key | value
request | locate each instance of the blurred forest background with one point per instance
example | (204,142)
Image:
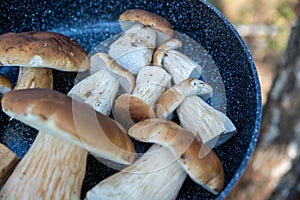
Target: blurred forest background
(272,33)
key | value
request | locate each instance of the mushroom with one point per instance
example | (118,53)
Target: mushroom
(151,82)
(203,124)
(56,51)
(176,63)
(143,30)
(158,176)
(173,97)
(162,26)
(8,158)
(65,119)
(100,89)
(166,46)
(212,126)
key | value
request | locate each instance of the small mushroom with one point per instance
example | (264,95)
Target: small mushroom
(176,63)
(166,46)
(68,120)
(162,26)
(212,126)
(151,82)
(143,31)
(173,97)
(100,89)
(159,174)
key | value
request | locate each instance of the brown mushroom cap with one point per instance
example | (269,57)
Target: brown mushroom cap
(129,110)
(5,84)
(147,19)
(42,49)
(55,113)
(199,162)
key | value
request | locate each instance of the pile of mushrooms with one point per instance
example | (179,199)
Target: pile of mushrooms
(144,82)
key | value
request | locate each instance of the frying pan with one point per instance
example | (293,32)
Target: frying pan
(92,21)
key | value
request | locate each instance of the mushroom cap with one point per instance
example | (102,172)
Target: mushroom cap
(42,49)
(199,162)
(129,110)
(173,97)
(148,19)
(5,84)
(100,61)
(55,113)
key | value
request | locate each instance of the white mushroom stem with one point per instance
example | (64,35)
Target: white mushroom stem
(8,162)
(180,66)
(98,90)
(51,169)
(34,78)
(156,175)
(134,49)
(151,83)
(210,125)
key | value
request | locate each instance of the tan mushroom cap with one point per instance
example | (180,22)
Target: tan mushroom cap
(199,162)
(55,113)
(173,97)
(129,110)
(147,19)
(42,49)
(5,84)
(100,61)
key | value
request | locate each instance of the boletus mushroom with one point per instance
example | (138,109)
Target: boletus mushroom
(160,172)
(100,88)
(143,31)
(81,128)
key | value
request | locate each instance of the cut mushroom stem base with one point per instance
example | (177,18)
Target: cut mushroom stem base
(154,176)
(52,169)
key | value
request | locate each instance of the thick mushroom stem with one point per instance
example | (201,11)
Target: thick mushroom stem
(8,162)
(51,169)
(211,126)
(144,179)
(134,49)
(180,66)
(34,78)
(151,83)
(98,90)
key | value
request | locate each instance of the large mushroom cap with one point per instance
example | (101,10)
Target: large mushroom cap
(148,19)
(55,113)
(42,49)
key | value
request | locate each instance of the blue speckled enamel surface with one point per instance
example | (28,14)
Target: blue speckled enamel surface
(90,22)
